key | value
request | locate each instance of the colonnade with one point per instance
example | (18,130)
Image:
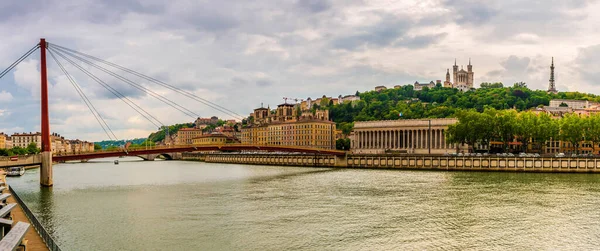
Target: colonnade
(401,139)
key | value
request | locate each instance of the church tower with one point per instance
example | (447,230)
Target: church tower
(470,74)
(552,86)
(455,73)
(447,83)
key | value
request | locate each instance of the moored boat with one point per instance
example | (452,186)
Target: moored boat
(15,171)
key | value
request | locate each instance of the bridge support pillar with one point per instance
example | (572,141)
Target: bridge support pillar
(46,170)
(341,161)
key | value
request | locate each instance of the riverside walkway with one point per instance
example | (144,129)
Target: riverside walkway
(34,241)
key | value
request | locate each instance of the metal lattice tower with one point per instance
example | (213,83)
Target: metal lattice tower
(552,86)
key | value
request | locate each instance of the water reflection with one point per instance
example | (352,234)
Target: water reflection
(203,206)
(45,209)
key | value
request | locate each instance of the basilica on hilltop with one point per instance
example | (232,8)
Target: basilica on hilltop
(461,79)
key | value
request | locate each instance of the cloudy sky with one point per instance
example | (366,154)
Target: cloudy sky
(240,53)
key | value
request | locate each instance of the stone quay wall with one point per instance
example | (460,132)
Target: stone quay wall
(276,159)
(471,163)
(412,162)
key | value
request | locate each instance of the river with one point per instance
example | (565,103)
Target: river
(169,205)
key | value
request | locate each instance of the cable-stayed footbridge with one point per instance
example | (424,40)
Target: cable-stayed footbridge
(83,62)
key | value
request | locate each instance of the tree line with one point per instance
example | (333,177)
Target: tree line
(30,149)
(441,102)
(527,127)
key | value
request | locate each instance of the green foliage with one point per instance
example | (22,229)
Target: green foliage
(105,144)
(97,147)
(526,127)
(30,149)
(443,102)
(346,127)
(520,85)
(563,104)
(173,129)
(572,129)
(492,85)
(342,144)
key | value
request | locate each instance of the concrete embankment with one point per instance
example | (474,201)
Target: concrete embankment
(424,162)
(34,241)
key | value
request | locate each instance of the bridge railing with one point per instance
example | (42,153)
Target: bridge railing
(200,147)
(31,159)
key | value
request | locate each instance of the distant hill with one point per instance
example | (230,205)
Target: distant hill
(173,129)
(439,102)
(108,143)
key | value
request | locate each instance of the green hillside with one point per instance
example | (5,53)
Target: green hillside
(442,102)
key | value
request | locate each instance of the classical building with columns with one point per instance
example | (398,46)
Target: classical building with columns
(419,136)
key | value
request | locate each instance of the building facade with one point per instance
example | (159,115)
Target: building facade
(461,79)
(3,138)
(8,144)
(185,136)
(290,125)
(315,133)
(572,103)
(214,139)
(418,136)
(24,139)
(419,86)
(206,121)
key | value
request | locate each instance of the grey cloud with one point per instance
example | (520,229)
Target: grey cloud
(110,11)
(471,11)
(20,9)
(516,65)
(419,42)
(494,74)
(588,64)
(264,83)
(507,18)
(314,5)
(238,82)
(381,34)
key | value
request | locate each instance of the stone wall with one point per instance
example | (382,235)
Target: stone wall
(412,162)
(274,159)
(476,163)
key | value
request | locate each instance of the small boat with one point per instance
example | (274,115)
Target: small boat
(15,171)
(116,162)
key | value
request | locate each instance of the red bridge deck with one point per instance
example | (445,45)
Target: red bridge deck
(194,148)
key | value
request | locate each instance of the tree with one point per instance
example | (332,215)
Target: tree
(546,129)
(346,127)
(592,130)
(571,130)
(97,147)
(32,149)
(342,144)
(526,123)
(563,104)
(520,85)
(505,122)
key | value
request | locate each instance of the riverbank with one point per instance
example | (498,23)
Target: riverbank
(411,162)
(34,241)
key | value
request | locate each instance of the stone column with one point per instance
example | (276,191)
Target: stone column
(441,139)
(436,139)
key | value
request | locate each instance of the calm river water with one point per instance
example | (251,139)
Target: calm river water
(168,205)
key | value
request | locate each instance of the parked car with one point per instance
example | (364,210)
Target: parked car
(560,155)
